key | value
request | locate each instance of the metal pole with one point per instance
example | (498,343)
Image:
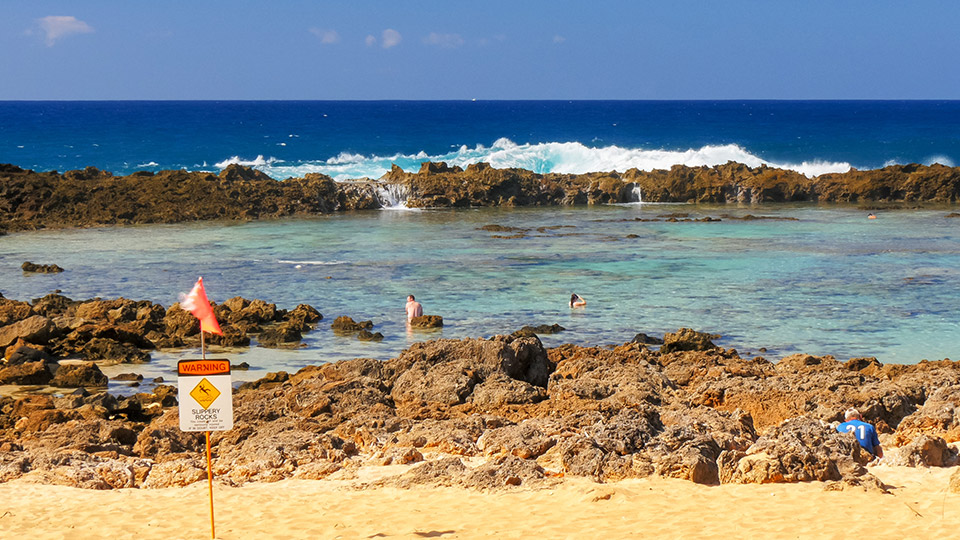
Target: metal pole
(213,530)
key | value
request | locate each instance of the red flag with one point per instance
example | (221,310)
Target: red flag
(196,302)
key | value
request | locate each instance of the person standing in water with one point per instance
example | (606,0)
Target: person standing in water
(414,309)
(577,301)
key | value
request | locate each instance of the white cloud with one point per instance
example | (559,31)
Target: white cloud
(559,39)
(498,38)
(61,26)
(327,37)
(391,38)
(444,40)
(370,41)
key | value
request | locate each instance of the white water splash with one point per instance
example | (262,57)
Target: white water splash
(393,196)
(552,157)
(942,160)
(259,163)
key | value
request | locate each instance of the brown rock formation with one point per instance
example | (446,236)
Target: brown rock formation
(31,200)
(346,325)
(40,268)
(55,327)
(698,412)
(427,321)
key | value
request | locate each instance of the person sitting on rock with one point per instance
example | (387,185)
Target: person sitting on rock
(414,309)
(577,301)
(865,433)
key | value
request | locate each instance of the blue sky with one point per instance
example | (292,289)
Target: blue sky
(299,49)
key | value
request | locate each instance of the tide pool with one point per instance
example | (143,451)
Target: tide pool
(816,279)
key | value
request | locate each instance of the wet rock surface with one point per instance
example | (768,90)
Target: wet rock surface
(502,412)
(346,325)
(40,268)
(427,321)
(528,331)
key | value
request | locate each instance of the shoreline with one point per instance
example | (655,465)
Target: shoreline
(918,507)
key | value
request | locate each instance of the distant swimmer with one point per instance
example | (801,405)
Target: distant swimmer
(871,216)
(414,309)
(577,301)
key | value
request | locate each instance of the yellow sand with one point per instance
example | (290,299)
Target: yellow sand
(919,507)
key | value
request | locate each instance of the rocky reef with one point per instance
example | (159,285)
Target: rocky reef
(29,267)
(505,411)
(91,197)
(35,336)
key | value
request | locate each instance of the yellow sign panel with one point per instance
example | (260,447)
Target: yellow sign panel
(207,405)
(205,393)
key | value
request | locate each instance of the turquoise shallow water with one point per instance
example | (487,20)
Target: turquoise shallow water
(830,282)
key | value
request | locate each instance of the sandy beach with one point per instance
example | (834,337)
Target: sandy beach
(918,506)
(766,346)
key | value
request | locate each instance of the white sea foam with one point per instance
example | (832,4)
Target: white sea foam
(942,160)
(312,263)
(552,157)
(237,160)
(149,164)
(345,158)
(812,169)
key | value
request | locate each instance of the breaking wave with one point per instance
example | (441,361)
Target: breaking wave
(942,160)
(552,157)
(259,163)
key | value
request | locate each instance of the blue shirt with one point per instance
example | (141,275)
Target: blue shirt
(865,433)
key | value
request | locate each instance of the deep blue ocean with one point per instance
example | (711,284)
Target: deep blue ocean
(362,139)
(825,281)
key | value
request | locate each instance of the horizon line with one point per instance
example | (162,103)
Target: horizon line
(472,100)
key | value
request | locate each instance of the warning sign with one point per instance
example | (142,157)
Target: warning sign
(205,393)
(206,400)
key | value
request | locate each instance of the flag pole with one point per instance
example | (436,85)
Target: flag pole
(197,303)
(213,530)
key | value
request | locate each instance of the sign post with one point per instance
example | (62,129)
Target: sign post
(206,404)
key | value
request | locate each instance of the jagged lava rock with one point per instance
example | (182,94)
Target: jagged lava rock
(346,325)
(77,375)
(799,450)
(279,336)
(35,329)
(40,268)
(427,321)
(91,197)
(445,372)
